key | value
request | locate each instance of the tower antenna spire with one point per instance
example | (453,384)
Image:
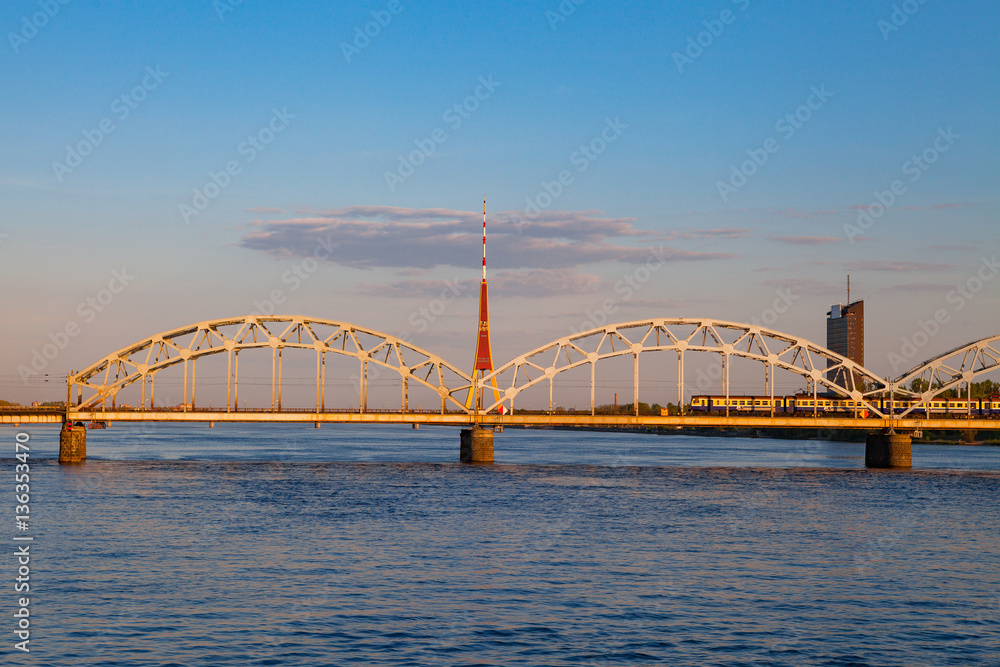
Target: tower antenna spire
(848,285)
(483,364)
(484,237)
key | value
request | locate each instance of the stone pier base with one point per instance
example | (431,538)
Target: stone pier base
(477,445)
(888,450)
(72,444)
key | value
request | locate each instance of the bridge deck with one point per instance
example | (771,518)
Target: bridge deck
(541,419)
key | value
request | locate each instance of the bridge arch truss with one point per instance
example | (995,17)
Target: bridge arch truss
(684,336)
(98,385)
(948,371)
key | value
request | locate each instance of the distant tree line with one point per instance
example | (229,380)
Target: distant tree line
(46,404)
(645,409)
(983,389)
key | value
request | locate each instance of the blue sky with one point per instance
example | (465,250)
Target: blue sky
(330,127)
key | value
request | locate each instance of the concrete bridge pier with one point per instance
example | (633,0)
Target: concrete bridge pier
(477,445)
(72,443)
(888,450)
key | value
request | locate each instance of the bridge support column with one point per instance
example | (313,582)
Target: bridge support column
(477,445)
(888,450)
(72,444)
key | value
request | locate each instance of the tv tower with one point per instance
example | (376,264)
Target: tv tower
(484,353)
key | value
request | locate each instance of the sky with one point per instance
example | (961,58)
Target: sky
(179,162)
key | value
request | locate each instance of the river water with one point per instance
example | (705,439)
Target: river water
(351,545)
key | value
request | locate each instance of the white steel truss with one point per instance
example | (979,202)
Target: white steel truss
(142,360)
(950,371)
(775,350)
(683,335)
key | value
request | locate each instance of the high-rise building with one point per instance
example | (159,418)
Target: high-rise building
(845,335)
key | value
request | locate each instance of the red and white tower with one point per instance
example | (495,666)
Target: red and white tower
(483,365)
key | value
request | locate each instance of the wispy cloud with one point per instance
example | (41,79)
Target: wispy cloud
(20,183)
(929,207)
(805,286)
(533,283)
(785,212)
(806,240)
(896,266)
(789,212)
(417,288)
(921,287)
(963,248)
(932,207)
(725,234)
(265,209)
(545,282)
(387,236)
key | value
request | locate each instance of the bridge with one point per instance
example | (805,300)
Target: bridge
(93,393)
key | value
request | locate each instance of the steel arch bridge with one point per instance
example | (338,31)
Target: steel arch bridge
(141,361)
(98,385)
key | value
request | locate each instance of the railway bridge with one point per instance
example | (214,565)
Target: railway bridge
(490,399)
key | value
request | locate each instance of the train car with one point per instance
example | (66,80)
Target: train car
(938,406)
(895,406)
(699,403)
(957,407)
(738,404)
(991,406)
(807,404)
